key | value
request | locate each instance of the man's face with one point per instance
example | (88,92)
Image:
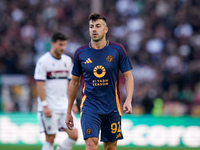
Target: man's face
(59,47)
(97,29)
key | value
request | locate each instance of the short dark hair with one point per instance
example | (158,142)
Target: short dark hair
(96,16)
(58,36)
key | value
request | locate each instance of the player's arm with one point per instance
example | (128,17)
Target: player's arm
(74,106)
(129,85)
(41,94)
(72,92)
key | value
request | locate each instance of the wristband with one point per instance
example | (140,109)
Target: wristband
(44,103)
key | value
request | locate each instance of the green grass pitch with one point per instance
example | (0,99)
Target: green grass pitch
(38,147)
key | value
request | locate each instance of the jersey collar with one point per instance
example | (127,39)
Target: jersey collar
(107,43)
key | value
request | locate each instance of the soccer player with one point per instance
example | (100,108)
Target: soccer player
(99,62)
(52,74)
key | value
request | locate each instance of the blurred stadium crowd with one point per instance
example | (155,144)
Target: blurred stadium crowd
(161,37)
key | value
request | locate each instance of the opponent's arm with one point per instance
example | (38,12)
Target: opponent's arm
(75,108)
(72,92)
(41,94)
(129,85)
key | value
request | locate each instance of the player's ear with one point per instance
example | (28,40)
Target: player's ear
(106,30)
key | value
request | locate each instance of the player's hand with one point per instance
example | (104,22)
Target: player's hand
(47,111)
(69,121)
(127,107)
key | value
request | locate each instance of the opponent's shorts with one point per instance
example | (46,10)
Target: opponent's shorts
(110,126)
(50,125)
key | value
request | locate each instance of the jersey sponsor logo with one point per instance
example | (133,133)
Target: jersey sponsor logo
(109,58)
(88,131)
(57,74)
(101,82)
(99,71)
(88,61)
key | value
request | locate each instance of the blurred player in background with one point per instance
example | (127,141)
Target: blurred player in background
(52,74)
(99,63)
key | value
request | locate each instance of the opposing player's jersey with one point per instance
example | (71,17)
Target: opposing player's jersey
(100,72)
(56,73)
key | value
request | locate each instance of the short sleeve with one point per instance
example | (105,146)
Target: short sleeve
(77,69)
(125,64)
(40,71)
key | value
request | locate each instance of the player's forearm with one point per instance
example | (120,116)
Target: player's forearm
(129,86)
(40,90)
(72,92)
(129,89)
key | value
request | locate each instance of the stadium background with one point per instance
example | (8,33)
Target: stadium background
(162,39)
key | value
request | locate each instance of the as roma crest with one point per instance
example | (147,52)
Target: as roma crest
(109,58)
(88,131)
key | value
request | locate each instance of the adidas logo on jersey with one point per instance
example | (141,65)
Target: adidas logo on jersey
(88,61)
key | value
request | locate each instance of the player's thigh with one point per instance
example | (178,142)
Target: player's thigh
(111,128)
(90,124)
(47,124)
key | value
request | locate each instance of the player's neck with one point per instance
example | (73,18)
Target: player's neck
(57,56)
(99,44)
